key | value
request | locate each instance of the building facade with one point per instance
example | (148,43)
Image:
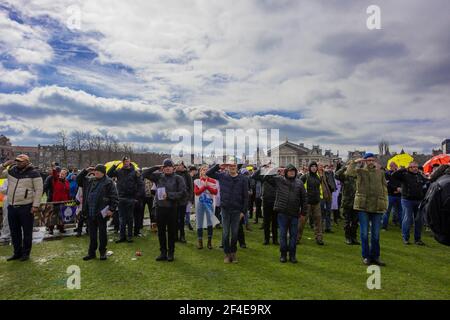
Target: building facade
(446,146)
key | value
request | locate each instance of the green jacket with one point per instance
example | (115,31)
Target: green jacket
(371,189)
(348,188)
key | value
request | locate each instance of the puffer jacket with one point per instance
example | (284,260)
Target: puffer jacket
(174,185)
(371,189)
(24,186)
(233,190)
(291,198)
(348,188)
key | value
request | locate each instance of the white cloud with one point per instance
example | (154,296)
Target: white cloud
(15,77)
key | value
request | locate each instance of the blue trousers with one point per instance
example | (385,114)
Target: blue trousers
(396,204)
(288,224)
(411,214)
(372,220)
(230,222)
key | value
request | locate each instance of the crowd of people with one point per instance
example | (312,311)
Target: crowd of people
(228,196)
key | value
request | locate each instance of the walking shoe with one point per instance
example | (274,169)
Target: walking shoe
(14,257)
(234,258)
(121,240)
(366,261)
(88,257)
(420,243)
(406,242)
(200,244)
(227,259)
(355,242)
(170,257)
(25,258)
(320,242)
(103,257)
(348,241)
(283,258)
(293,259)
(183,239)
(161,257)
(378,262)
(210,244)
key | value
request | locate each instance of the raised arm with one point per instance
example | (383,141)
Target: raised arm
(150,173)
(213,172)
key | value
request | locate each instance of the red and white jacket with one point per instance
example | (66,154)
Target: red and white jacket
(202,189)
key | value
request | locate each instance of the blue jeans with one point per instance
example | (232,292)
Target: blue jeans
(396,204)
(411,213)
(372,252)
(325,207)
(230,221)
(288,224)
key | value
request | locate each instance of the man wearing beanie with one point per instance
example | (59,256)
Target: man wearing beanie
(371,201)
(100,201)
(170,189)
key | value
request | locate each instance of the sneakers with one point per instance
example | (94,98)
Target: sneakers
(378,262)
(419,243)
(406,242)
(103,257)
(283,258)
(366,261)
(227,259)
(88,257)
(355,242)
(348,241)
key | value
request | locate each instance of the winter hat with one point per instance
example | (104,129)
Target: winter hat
(312,163)
(369,155)
(125,158)
(167,163)
(100,168)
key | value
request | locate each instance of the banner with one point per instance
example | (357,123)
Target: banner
(68,213)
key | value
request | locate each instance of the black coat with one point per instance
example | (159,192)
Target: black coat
(189,185)
(108,194)
(174,185)
(129,184)
(312,182)
(413,185)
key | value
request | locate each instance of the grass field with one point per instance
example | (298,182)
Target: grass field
(333,271)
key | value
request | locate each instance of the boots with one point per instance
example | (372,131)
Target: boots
(209,244)
(200,244)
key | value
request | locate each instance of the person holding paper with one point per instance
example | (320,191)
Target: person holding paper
(170,190)
(100,202)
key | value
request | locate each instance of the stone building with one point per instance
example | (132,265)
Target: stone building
(299,155)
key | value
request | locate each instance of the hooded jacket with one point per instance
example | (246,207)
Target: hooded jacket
(413,184)
(313,185)
(24,186)
(290,194)
(371,189)
(348,188)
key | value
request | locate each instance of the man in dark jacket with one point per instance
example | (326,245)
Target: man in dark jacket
(413,191)
(234,204)
(348,199)
(128,185)
(170,188)
(181,170)
(313,187)
(268,200)
(394,198)
(290,203)
(100,202)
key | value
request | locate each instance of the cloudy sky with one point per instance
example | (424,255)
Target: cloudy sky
(139,69)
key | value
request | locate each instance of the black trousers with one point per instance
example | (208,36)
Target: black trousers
(270,222)
(21,222)
(167,228)
(126,217)
(139,209)
(258,212)
(351,223)
(251,202)
(81,221)
(148,202)
(217,213)
(181,213)
(97,234)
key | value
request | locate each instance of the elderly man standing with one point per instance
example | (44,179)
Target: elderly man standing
(371,201)
(25,188)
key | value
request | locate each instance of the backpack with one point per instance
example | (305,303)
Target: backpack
(435,207)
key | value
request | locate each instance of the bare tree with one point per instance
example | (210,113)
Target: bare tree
(62,141)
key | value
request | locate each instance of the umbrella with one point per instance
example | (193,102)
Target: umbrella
(440,159)
(401,160)
(119,164)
